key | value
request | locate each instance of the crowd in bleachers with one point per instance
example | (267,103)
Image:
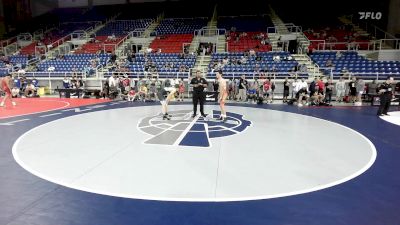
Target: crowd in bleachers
(337,38)
(83,63)
(257,63)
(243,41)
(351,62)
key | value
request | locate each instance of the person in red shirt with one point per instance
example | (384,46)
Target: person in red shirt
(267,89)
(321,86)
(181,90)
(131,95)
(6,87)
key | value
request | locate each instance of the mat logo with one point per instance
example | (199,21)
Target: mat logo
(183,130)
(370,15)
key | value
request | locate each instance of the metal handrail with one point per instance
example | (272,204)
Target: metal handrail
(324,45)
(208,30)
(228,75)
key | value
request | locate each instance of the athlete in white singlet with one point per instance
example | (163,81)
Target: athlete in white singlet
(223,94)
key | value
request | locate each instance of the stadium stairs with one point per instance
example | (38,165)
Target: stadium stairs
(312,68)
(280,28)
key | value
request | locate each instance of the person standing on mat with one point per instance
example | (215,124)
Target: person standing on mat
(198,83)
(385,96)
(165,98)
(223,94)
(6,87)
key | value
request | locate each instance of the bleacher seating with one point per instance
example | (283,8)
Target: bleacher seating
(266,64)
(29,49)
(180,25)
(171,43)
(70,62)
(100,43)
(123,27)
(354,63)
(3,69)
(19,59)
(247,42)
(55,35)
(160,60)
(337,39)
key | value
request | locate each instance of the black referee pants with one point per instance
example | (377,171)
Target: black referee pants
(384,104)
(198,97)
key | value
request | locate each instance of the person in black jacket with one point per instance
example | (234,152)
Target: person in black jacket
(198,83)
(385,96)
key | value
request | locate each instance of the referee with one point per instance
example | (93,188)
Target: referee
(385,96)
(198,83)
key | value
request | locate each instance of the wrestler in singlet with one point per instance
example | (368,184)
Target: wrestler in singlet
(5,85)
(223,94)
(222,90)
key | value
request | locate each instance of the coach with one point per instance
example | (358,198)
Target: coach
(385,95)
(198,83)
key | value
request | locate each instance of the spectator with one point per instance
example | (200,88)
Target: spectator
(35,82)
(329,91)
(30,90)
(267,90)
(372,88)
(276,58)
(295,87)
(303,68)
(285,89)
(225,61)
(66,82)
(252,93)
(181,90)
(112,81)
(131,95)
(80,84)
(340,89)
(242,88)
(321,86)
(243,60)
(329,63)
(142,93)
(338,54)
(231,89)
(317,97)
(360,87)
(313,86)
(302,96)
(353,90)
(272,90)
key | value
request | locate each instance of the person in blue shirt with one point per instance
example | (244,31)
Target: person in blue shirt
(252,92)
(35,82)
(24,83)
(66,82)
(17,83)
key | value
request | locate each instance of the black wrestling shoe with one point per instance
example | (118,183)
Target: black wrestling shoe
(386,114)
(204,115)
(194,115)
(166,117)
